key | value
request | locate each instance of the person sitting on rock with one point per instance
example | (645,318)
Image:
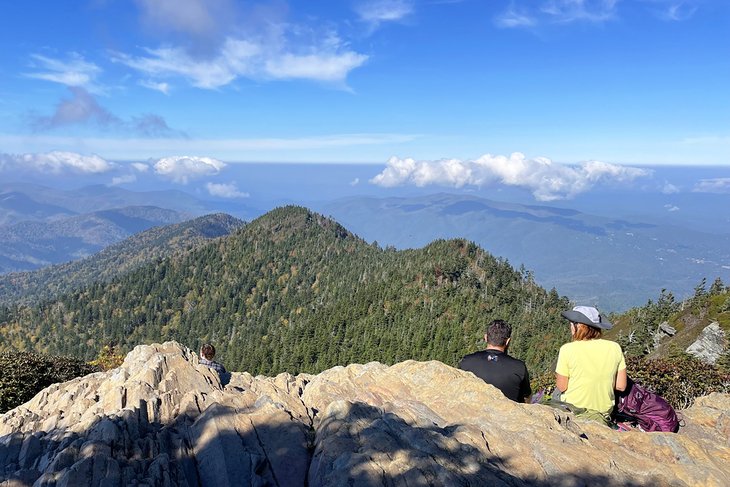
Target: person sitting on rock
(207,353)
(495,367)
(589,368)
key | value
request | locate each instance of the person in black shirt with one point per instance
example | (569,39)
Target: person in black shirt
(495,367)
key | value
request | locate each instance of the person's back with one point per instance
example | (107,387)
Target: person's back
(589,368)
(494,366)
(207,353)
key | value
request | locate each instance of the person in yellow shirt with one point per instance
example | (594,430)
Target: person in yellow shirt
(589,368)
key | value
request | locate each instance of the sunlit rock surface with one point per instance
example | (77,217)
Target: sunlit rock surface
(161,419)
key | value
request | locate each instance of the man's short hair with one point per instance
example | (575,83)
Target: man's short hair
(207,351)
(498,332)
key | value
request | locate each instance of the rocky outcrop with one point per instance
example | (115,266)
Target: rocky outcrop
(663,331)
(161,419)
(710,345)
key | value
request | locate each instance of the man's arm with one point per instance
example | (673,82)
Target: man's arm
(525,389)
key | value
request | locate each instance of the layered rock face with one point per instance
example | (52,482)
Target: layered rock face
(161,419)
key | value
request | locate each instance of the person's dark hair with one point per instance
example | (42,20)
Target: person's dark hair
(498,332)
(207,351)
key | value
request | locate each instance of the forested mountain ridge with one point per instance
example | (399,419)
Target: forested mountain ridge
(141,248)
(295,291)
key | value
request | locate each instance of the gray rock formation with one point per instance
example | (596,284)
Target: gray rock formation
(161,419)
(710,345)
(664,330)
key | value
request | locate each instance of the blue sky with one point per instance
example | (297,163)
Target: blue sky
(447,91)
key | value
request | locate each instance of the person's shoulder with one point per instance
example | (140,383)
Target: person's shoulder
(472,357)
(568,346)
(610,344)
(514,359)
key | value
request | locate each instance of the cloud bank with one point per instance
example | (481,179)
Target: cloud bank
(223,190)
(182,169)
(546,180)
(55,162)
(713,185)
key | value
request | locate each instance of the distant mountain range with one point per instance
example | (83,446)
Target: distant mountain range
(33,244)
(41,226)
(21,202)
(115,260)
(611,263)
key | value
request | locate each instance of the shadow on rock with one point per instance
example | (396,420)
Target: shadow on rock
(354,444)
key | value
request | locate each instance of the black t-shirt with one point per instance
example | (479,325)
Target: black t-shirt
(506,373)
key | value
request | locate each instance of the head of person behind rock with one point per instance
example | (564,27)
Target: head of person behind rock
(207,354)
(494,366)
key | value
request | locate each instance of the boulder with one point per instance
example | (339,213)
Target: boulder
(161,419)
(663,330)
(710,344)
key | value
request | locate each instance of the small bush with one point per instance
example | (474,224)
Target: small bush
(109,358)
(24,374)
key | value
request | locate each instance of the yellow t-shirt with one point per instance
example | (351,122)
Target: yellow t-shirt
(591,367)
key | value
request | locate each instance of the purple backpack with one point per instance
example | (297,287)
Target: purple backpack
(651,411)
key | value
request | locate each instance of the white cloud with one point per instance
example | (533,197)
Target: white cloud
(140,166)
(531,13)
(572,10)
(329,60)
(355,182)
(713,185)
(320,67)
(513,18)
(129,178)
(75,71)
(378,11)
(162,87)
(546,180)
(673,10)
(55,162)
(220,44)
(225,190)
(680,11)
(669,188)
(181,169)
(671,208)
